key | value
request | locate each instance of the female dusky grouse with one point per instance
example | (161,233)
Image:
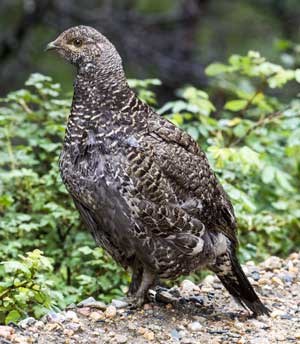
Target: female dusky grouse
(143,187)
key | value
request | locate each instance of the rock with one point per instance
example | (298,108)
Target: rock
(263,281)
(286,277)
(176,334)
(186,340)
(55,317)
(147,307)
(297,334)
(208,280)
(97,316)
(85,311)
(71,306)
(255,275)
(149,335)
(188,288)
(131,326)
(6,332)
(111,312)
(277,280)
(195,326)
(141,330)
(241,341)
(52,326)
(119,304)
(88,301)
(271,263)
(120,339)
(277,313)
(294,256)
(27,322)
(92,303)
(39,325)
(169,306)
(71,315)
(68,333)
(17,339)
(73,326)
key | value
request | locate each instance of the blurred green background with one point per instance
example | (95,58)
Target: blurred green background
(227,72)
(154,37)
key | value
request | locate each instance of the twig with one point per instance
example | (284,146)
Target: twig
(261,122)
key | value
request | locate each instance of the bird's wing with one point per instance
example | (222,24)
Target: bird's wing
(92,223)
(195,185)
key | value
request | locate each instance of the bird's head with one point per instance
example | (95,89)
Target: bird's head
(86,48)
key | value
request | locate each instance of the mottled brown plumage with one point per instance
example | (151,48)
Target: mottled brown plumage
(143,187)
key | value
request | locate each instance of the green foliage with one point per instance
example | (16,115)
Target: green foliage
(248,128)
(25,288)
(143,91)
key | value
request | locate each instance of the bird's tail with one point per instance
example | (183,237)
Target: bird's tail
(235,281)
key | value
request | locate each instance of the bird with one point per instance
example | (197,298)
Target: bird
(143,187)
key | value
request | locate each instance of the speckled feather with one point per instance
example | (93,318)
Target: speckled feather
(143,186)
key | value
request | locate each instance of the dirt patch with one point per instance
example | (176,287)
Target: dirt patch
(217,319)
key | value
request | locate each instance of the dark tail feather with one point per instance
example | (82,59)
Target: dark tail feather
(235,281)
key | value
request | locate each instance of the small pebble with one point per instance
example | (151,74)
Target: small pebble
(277,313)
(149,335)
(131,326)
(195,326)
(120,339)
(27,322)
(55,317)
(119,304)
(68,333)
(297,335)
(277,280)
(85,311)
(188,288)
(92,303)
(272,263)
(294,256)
(208,280)
(73,326)
(147,307)
(111,312)
(71,315)
(6,331)
(176,334)
(97,316)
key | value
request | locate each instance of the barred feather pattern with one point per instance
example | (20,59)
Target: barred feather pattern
(143,187)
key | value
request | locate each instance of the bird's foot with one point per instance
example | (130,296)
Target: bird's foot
(173,296)
(134,302)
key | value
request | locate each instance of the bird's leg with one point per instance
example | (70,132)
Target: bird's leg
(148,279)
(136,280)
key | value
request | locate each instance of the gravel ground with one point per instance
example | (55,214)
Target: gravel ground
(218,320)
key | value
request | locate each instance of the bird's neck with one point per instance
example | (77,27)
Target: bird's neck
(100,100)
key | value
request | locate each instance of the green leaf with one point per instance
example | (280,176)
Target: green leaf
(283,179)
(236,105)
(194,132)
(216,69)
(297,75)
(13,316)
(268,174)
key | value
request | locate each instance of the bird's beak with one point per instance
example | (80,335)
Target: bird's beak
(52,46)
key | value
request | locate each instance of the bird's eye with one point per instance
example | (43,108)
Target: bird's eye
(77,42)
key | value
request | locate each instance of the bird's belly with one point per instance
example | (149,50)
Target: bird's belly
(97,189)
